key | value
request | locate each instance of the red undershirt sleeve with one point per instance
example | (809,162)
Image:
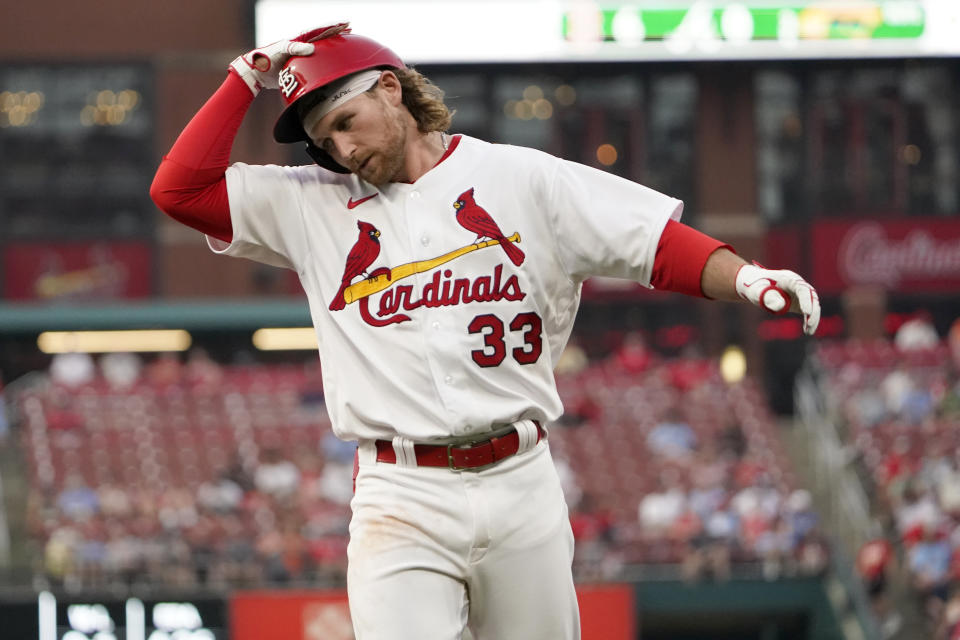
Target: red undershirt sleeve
(190,185)
(681,255)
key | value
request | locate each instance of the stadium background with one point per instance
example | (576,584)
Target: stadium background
(832,151)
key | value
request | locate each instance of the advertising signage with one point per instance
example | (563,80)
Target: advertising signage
(606,611)
(429,31)
(78,617)
(920,255)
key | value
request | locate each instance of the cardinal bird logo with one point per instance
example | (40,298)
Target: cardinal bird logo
(361,256)
(475,218)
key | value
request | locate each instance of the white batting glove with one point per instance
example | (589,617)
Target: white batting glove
(779,291)
(260,68)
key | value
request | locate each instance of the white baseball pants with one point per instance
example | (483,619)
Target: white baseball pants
(433,551)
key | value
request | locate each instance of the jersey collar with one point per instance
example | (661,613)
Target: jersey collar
(454,141)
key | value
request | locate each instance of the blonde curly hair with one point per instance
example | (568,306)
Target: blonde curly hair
(424,101)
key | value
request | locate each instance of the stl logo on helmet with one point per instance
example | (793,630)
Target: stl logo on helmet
(288,82)
(443,289)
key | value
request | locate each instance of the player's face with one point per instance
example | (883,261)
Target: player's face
(366,135)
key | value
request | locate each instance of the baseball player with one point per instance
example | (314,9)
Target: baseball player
(443,275)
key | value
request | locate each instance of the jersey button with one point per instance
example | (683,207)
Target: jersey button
(414,195)
(424,240)
(436,325)
(448,379)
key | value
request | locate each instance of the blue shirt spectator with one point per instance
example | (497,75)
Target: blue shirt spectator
(77,501)
(673,437)
(930,560)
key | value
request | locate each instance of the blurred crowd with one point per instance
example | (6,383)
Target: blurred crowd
(663,463)
(694,475)
(269,511)
(707,528)
(898,405)
(285,522)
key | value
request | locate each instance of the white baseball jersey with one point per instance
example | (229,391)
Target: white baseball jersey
(478,267)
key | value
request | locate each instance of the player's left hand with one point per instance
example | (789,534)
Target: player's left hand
(779,291)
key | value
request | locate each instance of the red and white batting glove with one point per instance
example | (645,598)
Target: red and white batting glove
(779,291)
(260,68)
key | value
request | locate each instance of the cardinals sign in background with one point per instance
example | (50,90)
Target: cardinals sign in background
(917,255)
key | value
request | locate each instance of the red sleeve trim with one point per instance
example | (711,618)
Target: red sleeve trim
(207,139)
(190,185)
(195,197)
(681,255)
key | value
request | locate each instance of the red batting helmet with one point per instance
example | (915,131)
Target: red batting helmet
(335,56)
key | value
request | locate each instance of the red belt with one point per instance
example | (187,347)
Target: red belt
(472,455)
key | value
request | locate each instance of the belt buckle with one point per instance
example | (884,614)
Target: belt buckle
(453,466)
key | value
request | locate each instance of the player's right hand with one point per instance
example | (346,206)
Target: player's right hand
(260,68)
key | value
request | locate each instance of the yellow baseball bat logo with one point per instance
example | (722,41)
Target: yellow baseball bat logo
(371,286)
